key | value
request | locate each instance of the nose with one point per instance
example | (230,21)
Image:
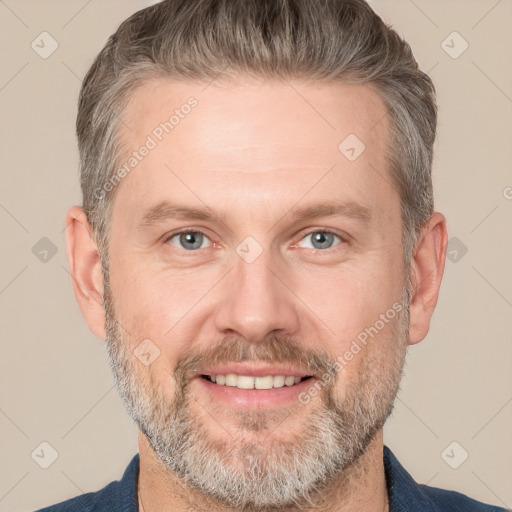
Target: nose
(256,301)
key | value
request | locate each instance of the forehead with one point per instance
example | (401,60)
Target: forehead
(314,117)
(270,137)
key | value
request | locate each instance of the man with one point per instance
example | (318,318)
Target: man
(258,247)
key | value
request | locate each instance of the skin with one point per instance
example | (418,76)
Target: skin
(253,153)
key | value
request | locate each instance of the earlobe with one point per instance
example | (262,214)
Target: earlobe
(427,268)
(85,267)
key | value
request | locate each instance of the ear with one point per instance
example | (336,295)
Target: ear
(85,266)
(427,267)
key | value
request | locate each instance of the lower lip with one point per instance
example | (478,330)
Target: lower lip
(255,398)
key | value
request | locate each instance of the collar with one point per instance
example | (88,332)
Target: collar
(404,494)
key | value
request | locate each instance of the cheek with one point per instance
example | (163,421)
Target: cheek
(349,299)
(370,360)
(357,307)
(164,305)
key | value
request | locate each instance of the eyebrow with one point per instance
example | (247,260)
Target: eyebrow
(166,210)
(350,209)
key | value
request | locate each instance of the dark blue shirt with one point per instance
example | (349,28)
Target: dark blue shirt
(405,495)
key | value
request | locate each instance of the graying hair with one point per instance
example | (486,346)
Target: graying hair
(317,41)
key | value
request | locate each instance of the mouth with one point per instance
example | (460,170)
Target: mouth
(255,382)
(253,386)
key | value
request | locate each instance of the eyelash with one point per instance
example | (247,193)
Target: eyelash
(184,232)
(343,240)
(325,231)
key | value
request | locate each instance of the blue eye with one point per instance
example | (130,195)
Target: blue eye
(321,240)
(189,240)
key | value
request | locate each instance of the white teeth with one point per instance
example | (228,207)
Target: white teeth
(279,381)
(245,382)
(264,382)
(289,381)
(231,379)
(249,382)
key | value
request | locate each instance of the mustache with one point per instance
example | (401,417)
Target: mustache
(276,349)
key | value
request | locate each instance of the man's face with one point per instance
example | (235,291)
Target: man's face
(293,254)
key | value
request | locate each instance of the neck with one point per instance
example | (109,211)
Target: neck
(361,487)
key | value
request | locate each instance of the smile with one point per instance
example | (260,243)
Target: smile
(254,382)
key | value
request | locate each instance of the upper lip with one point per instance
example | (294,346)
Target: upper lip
(254,370)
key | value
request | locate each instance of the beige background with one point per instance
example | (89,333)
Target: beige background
(56,386)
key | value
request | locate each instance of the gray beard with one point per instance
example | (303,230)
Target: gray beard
(274,473)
